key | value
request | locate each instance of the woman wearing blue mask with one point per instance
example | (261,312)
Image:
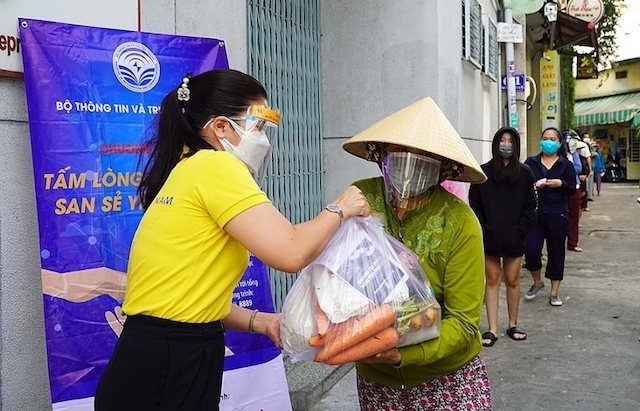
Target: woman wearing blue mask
(555,180)
(506,208)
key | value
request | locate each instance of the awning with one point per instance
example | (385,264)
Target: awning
(608,110)
(565,31)
(573,31)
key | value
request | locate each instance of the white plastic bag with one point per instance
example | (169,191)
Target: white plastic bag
(364,294)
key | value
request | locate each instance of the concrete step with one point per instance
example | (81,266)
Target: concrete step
(309,381)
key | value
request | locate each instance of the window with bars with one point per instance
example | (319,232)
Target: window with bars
(283,47)
(490,48)
(464,28)
(484,47)
(621,74)
(634,146)
(472,32)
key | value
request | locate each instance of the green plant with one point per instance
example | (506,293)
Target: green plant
(606,27)
(568,89)
(607,47)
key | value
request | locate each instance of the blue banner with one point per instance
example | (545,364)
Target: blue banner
(92,93)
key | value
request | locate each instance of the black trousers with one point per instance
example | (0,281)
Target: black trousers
(163,365)
(553,228)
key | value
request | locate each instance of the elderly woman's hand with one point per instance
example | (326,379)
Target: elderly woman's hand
(353,203)
(391,356)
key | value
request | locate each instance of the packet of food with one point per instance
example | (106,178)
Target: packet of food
(365,293)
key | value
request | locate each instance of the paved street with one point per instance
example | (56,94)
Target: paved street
(585,355)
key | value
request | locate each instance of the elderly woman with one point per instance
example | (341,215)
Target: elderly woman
(416,149)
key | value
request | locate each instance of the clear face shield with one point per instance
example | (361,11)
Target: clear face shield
(407,176)
(257,135)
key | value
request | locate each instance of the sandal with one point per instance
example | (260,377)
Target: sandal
(489,336)
(511,332)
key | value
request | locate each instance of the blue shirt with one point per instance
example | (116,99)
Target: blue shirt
(553,200)
(598,163)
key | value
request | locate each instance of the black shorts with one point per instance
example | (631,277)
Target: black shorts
(163,365)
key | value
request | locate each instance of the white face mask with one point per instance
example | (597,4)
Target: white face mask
(252,149)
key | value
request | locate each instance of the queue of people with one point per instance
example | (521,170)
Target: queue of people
(521,207)
(560,193)
(210,142)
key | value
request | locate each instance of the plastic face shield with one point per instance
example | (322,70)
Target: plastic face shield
(261,119)
(408,175)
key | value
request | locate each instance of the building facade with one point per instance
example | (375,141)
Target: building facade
(364,61)
(551,31)
(608,108)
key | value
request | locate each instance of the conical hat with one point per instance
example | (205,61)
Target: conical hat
(424,126)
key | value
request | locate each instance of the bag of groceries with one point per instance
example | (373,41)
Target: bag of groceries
(364,294)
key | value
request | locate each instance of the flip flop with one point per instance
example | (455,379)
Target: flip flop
(511,332)
(488,335)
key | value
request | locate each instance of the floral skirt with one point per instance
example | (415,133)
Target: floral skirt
(465,389)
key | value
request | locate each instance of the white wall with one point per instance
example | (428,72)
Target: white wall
(23,367)
(378,57)
(221,19)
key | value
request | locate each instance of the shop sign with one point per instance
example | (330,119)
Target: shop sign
(586,68)
(121,14)
(587,10)
(510,33)
(549,89)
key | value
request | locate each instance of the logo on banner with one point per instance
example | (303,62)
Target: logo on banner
(136,67)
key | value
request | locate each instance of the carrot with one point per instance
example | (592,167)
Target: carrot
(322,321)
(316,340)
(322,324)
(380,342)
(334,332)
(348,333)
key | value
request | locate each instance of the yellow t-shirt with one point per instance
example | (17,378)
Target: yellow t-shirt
(183,266)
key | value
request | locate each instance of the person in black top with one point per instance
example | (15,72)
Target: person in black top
(506,207)
(555,180)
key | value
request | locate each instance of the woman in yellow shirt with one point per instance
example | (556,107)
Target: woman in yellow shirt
(204,213)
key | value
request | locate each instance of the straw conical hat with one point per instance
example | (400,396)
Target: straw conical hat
(424,126)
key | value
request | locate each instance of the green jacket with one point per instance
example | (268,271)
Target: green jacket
(446,235)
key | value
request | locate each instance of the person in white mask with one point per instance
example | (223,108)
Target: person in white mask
(204,212)
(416,149)
(258,130)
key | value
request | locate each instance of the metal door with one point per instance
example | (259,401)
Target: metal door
(284,54)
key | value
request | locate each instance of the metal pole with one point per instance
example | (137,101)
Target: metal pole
(511,71)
